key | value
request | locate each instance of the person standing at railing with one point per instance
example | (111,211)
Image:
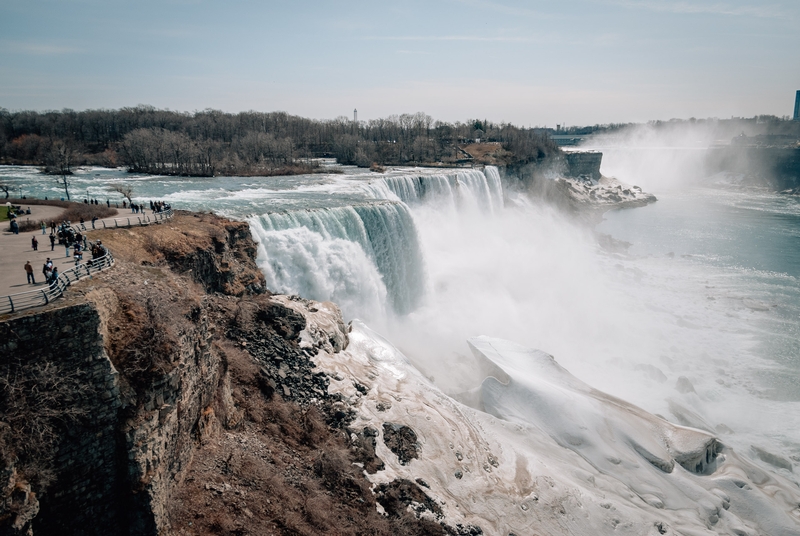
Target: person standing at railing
(29,272)
(53,277)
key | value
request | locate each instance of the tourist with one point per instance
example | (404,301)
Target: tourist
(34,243)
(29,271)
(14,227)
(53,226)
(77,253)
(44,228)
(52,242)
(46,269)
(53,277)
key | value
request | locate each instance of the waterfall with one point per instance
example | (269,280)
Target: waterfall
(366,256)
(459,189)
(359,256)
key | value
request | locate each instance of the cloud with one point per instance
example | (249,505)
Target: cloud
(698,8)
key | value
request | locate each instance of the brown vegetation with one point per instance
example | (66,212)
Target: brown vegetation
(285,471)
(73,212)
(36,402)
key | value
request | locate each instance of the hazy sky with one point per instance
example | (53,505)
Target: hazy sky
(529,63)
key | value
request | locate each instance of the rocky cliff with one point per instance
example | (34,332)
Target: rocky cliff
(172,394)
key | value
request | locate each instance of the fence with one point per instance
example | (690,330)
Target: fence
(43,296)
(158,217)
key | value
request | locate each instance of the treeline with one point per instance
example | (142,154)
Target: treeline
(211,142)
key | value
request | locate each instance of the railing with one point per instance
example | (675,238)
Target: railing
(43,296)
(157,217)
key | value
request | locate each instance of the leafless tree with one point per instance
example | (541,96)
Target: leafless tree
(5,189)
(125,190)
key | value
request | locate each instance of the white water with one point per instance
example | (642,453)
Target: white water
(446,259)
(631,326)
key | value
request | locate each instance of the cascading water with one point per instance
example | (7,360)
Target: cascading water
(358,256)
(460,190)
(366,256)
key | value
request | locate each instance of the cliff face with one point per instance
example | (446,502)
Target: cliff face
(159,393)
(123,372)
(574,183)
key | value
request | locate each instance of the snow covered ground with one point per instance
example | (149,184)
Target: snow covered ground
(534,450)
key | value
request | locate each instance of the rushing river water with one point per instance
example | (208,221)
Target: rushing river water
(699,320)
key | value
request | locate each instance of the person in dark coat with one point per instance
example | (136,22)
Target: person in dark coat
(29,272)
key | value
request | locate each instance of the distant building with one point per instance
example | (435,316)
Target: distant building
(355,112)
(797,106)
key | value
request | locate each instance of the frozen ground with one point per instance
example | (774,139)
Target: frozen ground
(534,450)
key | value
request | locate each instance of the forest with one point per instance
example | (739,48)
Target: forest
(210,142)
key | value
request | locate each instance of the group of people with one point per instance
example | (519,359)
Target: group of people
(155,206)
(49,272)
(12,213)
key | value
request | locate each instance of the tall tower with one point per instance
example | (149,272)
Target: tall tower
(355,111)
(797,106)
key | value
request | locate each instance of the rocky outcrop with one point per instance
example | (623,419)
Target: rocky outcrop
(583,165)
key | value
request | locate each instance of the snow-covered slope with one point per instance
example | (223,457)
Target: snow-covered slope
(534,450)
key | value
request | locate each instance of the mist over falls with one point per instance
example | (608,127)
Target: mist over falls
(439,258)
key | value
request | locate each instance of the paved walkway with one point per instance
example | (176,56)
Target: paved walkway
(15,250)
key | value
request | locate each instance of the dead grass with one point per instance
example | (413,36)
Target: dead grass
(76,211)
(284,471)
(491,153)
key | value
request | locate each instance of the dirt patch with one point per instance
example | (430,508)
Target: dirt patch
(490,153)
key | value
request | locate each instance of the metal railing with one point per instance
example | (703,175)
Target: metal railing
(44,295)
(157,217)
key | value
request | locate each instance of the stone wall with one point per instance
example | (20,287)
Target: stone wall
(115,466)
(85,496)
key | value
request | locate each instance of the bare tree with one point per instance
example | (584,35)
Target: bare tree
(125,190)
(60,159)
(5,188)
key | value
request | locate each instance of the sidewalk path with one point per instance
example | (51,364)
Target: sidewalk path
(15,250)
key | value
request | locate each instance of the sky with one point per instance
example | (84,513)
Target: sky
(530,63)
